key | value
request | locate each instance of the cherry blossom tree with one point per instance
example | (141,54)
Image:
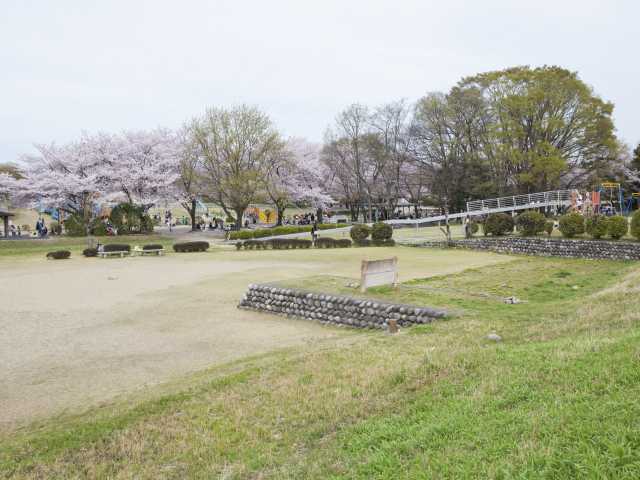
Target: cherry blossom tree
(142,166)
(69,177)
(310,181)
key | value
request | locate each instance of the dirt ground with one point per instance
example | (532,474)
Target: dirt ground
(78,332)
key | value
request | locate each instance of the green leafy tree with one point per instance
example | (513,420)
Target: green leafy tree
(543,123)
(237,146)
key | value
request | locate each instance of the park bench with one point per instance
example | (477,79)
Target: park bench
(149,251)
(121,253)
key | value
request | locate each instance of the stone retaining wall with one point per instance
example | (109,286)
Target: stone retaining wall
(335,309)
(549,247)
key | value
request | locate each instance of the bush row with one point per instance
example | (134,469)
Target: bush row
(282,230)
(597,226)
(292,243)
(191,247)
(380,232)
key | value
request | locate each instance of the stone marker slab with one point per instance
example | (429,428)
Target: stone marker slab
(378,272)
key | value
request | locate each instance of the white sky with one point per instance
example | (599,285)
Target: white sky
(68,66)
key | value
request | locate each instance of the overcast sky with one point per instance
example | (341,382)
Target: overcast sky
(68,66)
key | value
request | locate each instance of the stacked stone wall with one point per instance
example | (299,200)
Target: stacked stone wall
(335,309)
(548,247)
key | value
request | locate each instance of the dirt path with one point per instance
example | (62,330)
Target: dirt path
(77,332)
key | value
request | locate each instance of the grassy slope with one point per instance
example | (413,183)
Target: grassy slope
(556,399)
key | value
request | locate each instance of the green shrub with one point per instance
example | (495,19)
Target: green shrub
(303,243)
(381,231)
(389,242)
(571,224)
(617,227)
(530,223)
(116,247)
(129,218)
(75,226)
(548,227)
(59,255)
(359,232)
(191,247)
(498,224)
(365,242)
(281,230)
(635,225)
(343,243)
(98,228)
(278,243)
(90,252)
(329,226)
(472,228)
(152,246)
(325,242)
(596,226)
(241,235)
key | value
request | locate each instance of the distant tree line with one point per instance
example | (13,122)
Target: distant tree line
(499,133)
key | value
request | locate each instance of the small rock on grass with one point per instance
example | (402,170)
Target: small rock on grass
(494,337)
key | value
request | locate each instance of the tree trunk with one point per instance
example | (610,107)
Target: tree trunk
(192,214)
(239,213)
(280,208)
(319,216)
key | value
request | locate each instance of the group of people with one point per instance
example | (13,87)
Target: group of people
(41,230)
(303,219)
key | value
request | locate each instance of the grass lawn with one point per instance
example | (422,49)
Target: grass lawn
(10,249)
(557,398)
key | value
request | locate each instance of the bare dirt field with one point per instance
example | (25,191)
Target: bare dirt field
(78,332)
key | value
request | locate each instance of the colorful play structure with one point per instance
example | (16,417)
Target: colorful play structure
(611,199)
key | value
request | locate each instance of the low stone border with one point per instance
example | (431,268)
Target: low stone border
(548,247)
(335,309)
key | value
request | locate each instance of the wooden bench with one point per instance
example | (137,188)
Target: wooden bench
(122,253)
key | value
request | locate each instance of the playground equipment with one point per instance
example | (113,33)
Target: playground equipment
(613,200)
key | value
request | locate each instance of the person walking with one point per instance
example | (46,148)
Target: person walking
(314,233)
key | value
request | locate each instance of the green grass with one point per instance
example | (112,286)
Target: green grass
(10,249)
(557,398)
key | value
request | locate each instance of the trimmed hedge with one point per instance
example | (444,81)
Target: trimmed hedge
(530,223)
(282,230)
(617,227)
(359,232)
(327,242)
(498,224)
(153,246)
(90,252)
(292,243)
(635,225)
(366,242)
(59,255)
(116,247)
(596,226)
(571,224)
(185,247)
(381,231)
(389,242)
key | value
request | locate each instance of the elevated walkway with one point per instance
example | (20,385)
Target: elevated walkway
(553,199)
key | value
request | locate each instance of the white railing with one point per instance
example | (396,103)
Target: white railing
(517,202)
